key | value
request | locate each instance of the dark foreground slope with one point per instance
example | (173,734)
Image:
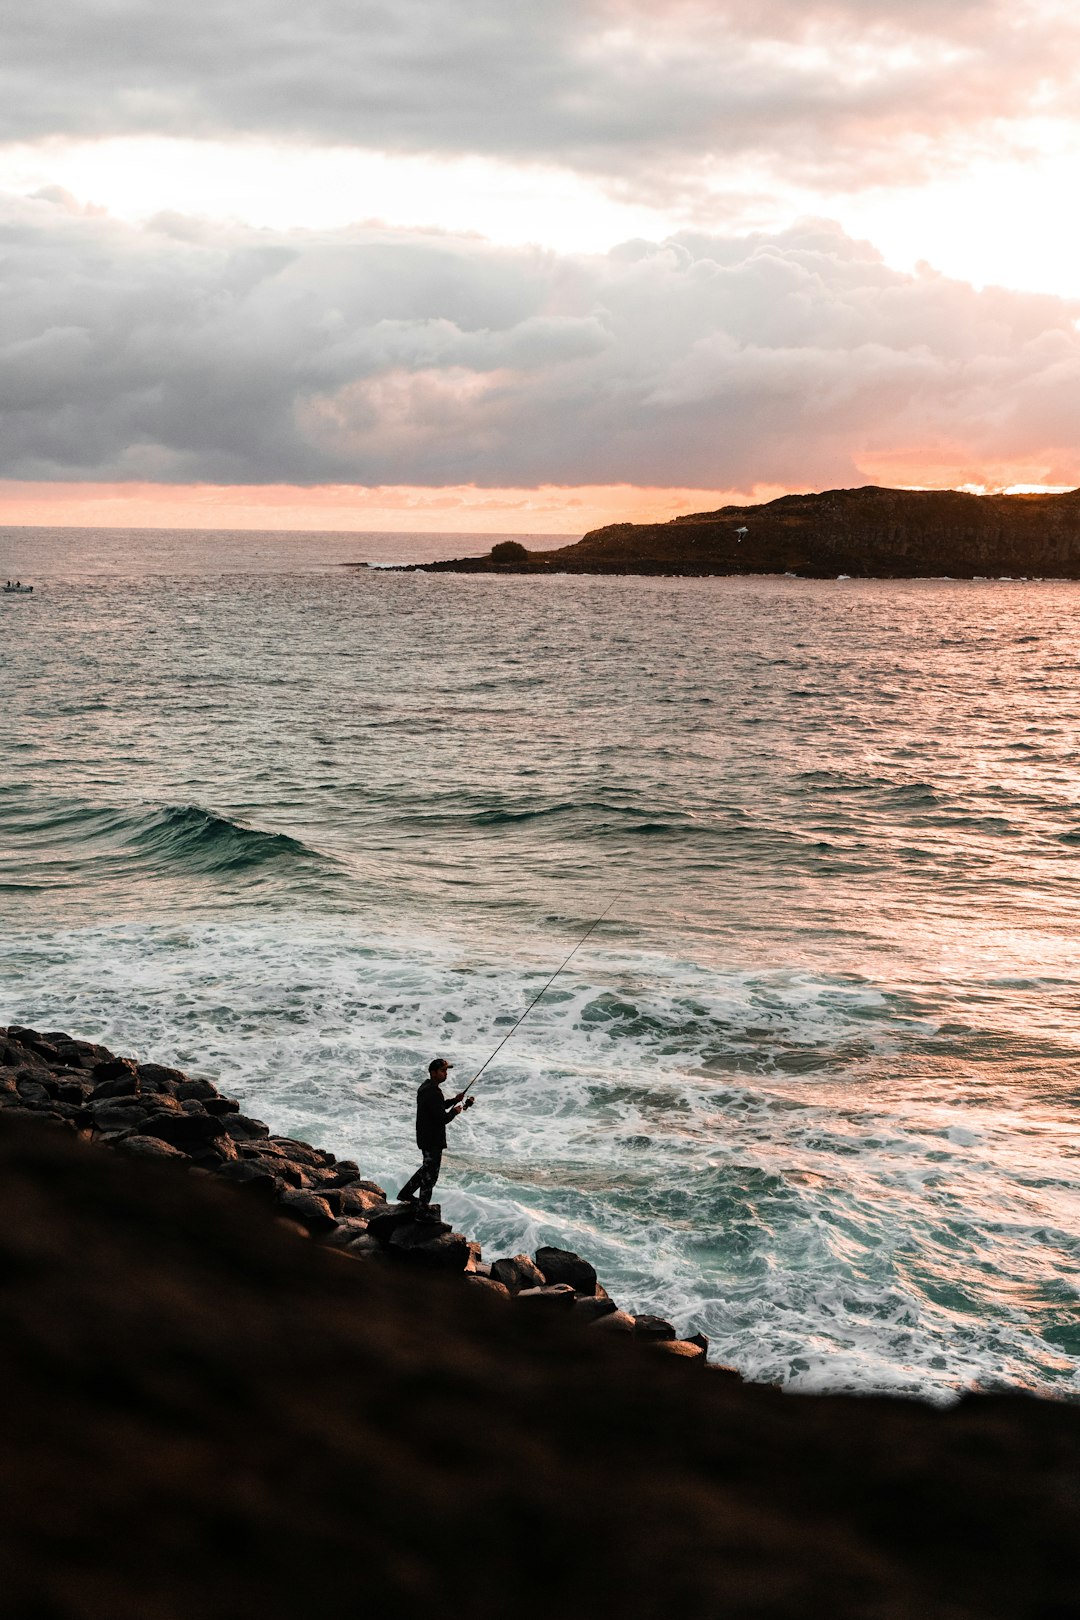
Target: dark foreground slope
(869,533)
(210,1416)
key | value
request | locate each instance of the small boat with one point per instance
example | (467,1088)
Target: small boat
(17,589)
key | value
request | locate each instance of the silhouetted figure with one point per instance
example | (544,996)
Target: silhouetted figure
(432,1112)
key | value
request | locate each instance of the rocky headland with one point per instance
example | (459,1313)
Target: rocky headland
(869,533)
(242,1382)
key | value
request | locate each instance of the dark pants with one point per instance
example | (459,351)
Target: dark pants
(422,1184)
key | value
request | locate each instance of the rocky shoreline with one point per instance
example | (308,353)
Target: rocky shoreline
(148,1111)
(869,533)
(205,1416)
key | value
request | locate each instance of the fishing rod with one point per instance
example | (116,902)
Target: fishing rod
(541,993)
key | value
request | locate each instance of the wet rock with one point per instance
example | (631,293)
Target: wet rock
(563,1266)
(118,1114)
(116,1068)
(310,1210)
(149,1147)
(487,1285)
(185,1131)
(73,1091)
(653,1327)
(242,1128)
(590,1307)
(681,1348)
(614,1322)
(221,1105)
(33,1042)
(32,1091)
(382,1224)
(298,1152)
(431,1244)
(192,1089)
(124,1084)
(156,1077)
(517,1273)
(551,1297)
(700,1339)
(346,1232)
(359,1200)
(254,1179)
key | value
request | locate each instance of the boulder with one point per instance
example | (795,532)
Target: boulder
(653,1327)
(681,1348)
(614,1322)
(220,1105)
(346,1232)
(309,1210)
(242,1128)
(563,1266)
(254,1179)
(149,1147)
(191,1089)
(517,1273)
(119,1114)
(156,1077)
(32,1092)
(432,1244)
(357,1200)
(487,1285)
(551,1297)
(382,1224)
(698,1338)
(116,1068)
(590,1307)
(124,1084)
(185,1131)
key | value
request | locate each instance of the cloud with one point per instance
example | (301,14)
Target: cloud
(189,353)
(842,90)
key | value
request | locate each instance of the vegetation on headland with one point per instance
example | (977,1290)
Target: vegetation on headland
(865,533)
(216,1412)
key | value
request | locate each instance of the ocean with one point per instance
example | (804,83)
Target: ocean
(809,1087)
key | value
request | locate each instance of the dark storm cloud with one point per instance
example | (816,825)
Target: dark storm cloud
(851,88)
(186,353)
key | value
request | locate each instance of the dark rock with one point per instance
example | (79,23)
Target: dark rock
(356,1200)
(590,1307)
(653,1327)
(345,1171)
(517,1273)
(124,1084)
(680,1348)
(33,1042)
(149,1147)
(73,1091)
(382,1224)
(309,1210)
(252,1179)
(563,1266)
(488,1285)
(221,1105)
(157,1078)
(552,1296)
(700,1339)
(33,1093)
(432,1244)
(185,1131)
(118,1114)
(474,1261)
(346,1232)
(191,1089)
(614,1322)
(298,1152)
(115,1068)
(220,1151)
(242,1128)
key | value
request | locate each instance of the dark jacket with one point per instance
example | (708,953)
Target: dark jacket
(432,1112)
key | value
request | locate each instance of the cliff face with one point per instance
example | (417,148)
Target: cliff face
(868,533)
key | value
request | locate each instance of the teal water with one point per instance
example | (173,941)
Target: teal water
(810,1087)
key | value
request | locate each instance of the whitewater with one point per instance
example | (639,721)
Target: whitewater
(810,1087)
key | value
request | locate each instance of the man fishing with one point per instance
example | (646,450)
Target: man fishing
(432,1112)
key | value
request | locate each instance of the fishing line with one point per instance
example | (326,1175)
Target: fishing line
(541,993)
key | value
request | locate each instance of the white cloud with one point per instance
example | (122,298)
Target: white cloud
(187,352)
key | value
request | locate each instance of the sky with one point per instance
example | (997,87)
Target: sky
(493,266)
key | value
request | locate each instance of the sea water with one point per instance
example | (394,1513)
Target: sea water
(811,1085)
